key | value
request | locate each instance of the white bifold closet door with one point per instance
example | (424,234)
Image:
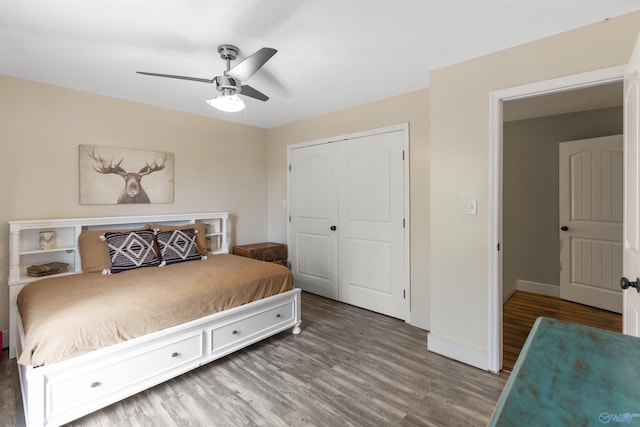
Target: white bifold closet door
(347,223)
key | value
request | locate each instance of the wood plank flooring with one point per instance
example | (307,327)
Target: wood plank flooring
(349,367)
(523,308)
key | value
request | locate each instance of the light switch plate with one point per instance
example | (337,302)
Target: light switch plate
(472,207)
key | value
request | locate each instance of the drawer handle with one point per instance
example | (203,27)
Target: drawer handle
(235,332)
(96,384)
(278,315)
(175,354)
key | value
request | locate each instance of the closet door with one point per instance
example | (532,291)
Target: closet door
(313,241)
(347,216)
(371,225)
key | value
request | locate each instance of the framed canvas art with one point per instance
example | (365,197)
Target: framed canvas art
(110,175)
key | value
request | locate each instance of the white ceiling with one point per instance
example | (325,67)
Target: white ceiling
(332,54)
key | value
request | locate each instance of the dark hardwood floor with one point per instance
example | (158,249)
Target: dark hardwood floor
(349,367)
(523,308)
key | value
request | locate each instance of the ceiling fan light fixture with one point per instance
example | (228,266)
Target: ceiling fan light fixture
(227,103)
(229,84)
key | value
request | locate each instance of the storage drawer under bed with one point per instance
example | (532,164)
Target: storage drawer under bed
(66,393)
(252,327)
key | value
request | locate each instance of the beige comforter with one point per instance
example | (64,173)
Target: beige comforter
(67,316)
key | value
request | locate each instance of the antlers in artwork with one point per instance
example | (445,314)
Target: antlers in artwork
(133,191)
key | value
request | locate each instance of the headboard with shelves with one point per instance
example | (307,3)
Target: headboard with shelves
(24,249)
(24,245)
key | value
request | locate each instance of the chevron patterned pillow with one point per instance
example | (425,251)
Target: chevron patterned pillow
(177,246)
(129,250)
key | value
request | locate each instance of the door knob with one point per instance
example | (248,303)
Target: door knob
(625,283)
(333,228)
(564,228)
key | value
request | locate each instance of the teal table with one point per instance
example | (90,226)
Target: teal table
(572,375)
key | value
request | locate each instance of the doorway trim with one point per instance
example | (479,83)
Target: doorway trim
(496,99)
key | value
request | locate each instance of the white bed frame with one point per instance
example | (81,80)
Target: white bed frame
(61,392)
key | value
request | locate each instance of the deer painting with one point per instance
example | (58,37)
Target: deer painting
(133,192)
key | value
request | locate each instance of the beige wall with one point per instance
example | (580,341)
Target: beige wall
(530,241)
(460,168)
(219,166)
(412,108)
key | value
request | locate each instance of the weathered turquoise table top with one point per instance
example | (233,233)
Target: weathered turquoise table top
(572,375)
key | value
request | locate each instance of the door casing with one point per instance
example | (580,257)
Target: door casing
(496,98)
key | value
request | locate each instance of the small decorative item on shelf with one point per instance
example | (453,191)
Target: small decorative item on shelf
(47,240)
(47,269)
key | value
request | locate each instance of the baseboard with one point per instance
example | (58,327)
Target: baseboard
(506,296)
(420,321)
(458,351)
(538,288)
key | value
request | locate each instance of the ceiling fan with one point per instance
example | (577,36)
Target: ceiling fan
(230,83)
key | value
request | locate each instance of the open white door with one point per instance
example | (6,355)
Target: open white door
(591,208)
(631,248)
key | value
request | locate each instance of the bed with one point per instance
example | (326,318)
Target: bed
(86,338)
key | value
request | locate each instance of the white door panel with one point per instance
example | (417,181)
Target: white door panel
(631,246)
(371,223)
(596,181)
(596,263)
(313,256)
(591,208)
(313,246)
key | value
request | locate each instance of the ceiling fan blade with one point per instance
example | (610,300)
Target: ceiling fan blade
(171,76)
(247,90)
(250,65)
